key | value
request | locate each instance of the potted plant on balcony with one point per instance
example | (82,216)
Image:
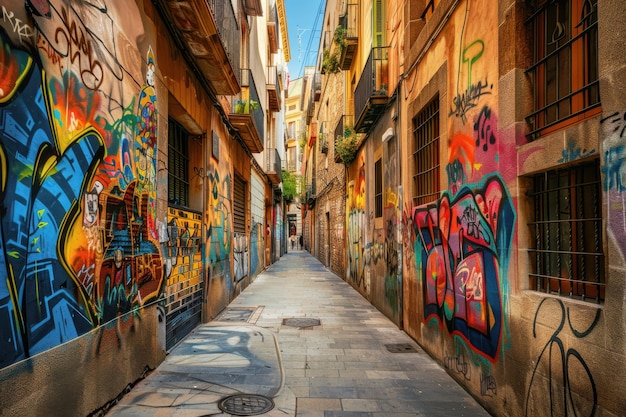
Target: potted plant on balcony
(339,37)
(347,145)
(246,106)
(330,62)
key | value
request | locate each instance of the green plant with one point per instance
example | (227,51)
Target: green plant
(330,62)
(347,145)
(245,106)
(339,37)
(292,185)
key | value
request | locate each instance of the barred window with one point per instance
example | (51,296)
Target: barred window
(426,187)
(378,188)
(565,63)
(566,257)
(178,164)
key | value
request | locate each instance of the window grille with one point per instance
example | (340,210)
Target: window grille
(566,257)
(565,67)
(426,185)
(178,164)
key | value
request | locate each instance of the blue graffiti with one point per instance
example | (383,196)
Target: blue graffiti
(41,304)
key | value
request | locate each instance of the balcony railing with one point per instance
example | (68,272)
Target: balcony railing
(247,113)
(349,26)
(273,90)
(310,193)
(317,86)
(273,165)
(372,92)
(228,30)
(310,109)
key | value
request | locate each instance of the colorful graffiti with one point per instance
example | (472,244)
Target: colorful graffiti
(78,153)
(356,227)
(256,248)
(613,170)
(219,229)
(462,249)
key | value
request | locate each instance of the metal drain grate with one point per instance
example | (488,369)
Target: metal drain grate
(400,348)
(301,322)
(246,404)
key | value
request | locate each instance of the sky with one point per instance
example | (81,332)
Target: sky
(304,22)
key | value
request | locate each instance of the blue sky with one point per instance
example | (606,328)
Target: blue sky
(304,21)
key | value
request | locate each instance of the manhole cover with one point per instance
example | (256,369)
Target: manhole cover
(301,322)
(400,348)
(246,404)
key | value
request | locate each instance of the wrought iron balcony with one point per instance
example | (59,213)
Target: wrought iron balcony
(310,193)
(247,114)
(348,24)
(209,33)
(317,86)
(273,166)
(372,92)
(273,89)
(272,29)
(310,108)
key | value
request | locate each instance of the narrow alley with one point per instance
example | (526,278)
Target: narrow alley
(301,342)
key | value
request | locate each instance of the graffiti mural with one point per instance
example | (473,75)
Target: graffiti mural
(462,251)
(356,226)
(565,367)
(240,256)
(219,229)
(256,248)
(78,153)
(182,253)
(614,174)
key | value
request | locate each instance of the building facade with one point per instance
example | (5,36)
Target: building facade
(140,155)
(484,207)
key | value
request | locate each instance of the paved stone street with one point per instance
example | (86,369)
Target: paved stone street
(299,342)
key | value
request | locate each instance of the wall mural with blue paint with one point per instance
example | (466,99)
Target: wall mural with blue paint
(78,143)
(462,242)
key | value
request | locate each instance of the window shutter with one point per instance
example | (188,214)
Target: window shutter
(379,23)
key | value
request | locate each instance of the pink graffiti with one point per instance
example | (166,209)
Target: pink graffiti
(461,244)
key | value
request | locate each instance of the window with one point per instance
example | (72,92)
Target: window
(565,68)
(566,257)
(291,130)
(178,161)
(426,186)
(378,188)
(378,22)
(239,205)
